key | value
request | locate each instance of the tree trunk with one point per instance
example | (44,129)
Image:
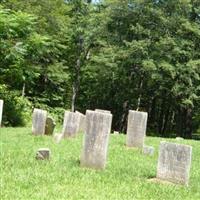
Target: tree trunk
(23,89)
(188,123)
(76,84)
(140,93)
(124,117)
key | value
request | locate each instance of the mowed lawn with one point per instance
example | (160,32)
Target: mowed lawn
(126,175)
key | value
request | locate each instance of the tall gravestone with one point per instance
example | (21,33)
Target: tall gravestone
(174,162)
(50,125)
(82,122)
(98,127)
(71,124)
(1,111)
(103,111)
(136,129)
(39,121)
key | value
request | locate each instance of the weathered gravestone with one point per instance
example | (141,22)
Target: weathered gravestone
(136,129)
(1,111)
(43,154)
(39,121)
(148,150)
(58,137)
(82,122)
(174,162)
(98,127)
(50,125)
(71,124)
(116,133)
(103,111)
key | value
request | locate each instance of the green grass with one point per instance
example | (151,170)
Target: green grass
(126,175)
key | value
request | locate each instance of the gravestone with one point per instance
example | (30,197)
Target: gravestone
(70,124)
(103,111)
(116,133)
(174,162)
(82,122)
(98,127)
(1,111)
(43,154)
(50,125)
(179,138)
(39,121)
(148,150)
(136,129)
(58,137)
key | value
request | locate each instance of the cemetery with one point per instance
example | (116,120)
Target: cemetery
(100,100)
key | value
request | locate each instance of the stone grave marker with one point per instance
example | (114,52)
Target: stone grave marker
(1,111)
(116,133)
(98,128)
(43,154)
(174,162)
(103,111)
(39,121)
(58,137)
(82,122)
(136,129)
(71,124)
(50,125)
(148,150)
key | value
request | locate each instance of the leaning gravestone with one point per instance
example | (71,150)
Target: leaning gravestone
(136,129)
(50,125)
(39,121)
(82,122)
(174,162)
(1,111)
(71,124)
(98,127)
(103,111)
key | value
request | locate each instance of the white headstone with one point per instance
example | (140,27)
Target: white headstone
(71,124)
(174,162)
(39,121)
(136,129)
(103,111)
(82,122)
(98,127)
(1,111)
(58,137)
(148,150)
(116,132)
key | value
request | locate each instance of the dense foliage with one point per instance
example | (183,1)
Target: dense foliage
(111,54)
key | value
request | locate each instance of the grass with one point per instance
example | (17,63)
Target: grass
(126,175)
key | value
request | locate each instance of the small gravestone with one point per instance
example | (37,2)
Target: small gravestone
(82,122)
(98,127)
(50,125)
(39,121)
(43,154)
(116,133)
(148,150)
(103,111)
(1,111)
(58,137)
(71,124)
(174,162)
(136,129)
(179,138)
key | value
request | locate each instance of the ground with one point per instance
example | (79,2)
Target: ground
(126,176)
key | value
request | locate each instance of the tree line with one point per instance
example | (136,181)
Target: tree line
(116,55)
